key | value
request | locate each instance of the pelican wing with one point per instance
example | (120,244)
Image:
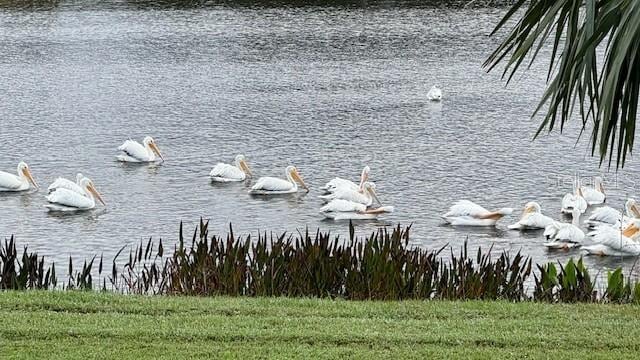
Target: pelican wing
(339,205)
(62,183)
(570,201)
(349,195)
(339,183)
(614,239)
(134,150)
(272,184)
(533,221)
(592,196)
(466,208)
(570,234)
(71,199)
(9,181)
(228,172)
(604,215)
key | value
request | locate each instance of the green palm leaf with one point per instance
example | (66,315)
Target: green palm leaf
(605,94)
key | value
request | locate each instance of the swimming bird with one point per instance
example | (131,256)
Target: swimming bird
(435,94)
(274,186)
(364,195)
(337,183)
(62,183)
(574,200)
(20,182)
(611,242)
(594,195)
(68,200)
(136,152)
(467,213)
(532,218)
(609,216)
(339,209)
(239,171)
(563,235)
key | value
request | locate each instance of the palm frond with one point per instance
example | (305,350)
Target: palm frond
(607,93)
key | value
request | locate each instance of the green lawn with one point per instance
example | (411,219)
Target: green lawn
(90,325)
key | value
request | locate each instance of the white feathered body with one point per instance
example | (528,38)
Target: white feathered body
(350,195)
(532,221)
(11,182)
(592,196)
(67,200)
(227,173)
(62,183)
(135,152)
(467,213)
(611,242)
(563,235)
(272,185)
(571,201)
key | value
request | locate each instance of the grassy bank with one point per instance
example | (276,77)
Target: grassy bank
(89,325)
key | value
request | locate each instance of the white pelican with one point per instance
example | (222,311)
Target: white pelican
(468,213)
(68,200)
(594,195)
(275,186)
(340,209)
(364,195)
(62,183)
(135,152)
(609,216)
(23,181)
(563,235)
(574,200)
(337,183)
(435,94)
(239,171)
(532,218)
(612,242)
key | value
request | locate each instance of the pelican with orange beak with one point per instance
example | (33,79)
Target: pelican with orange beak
(239,171)
(68,200)
(21,182)
(612,242)
(275,186)
(135,152)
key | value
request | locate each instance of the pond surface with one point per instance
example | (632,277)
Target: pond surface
(326,89)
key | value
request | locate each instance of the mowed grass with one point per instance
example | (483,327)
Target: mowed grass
(93,325)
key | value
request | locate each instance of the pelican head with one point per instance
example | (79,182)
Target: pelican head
(532,207)
(293,173)
(88,186)
(25,173)
(632,208)
(79,178)
(241,163)
(151,144)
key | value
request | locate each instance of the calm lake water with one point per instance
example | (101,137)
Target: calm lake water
(326,89)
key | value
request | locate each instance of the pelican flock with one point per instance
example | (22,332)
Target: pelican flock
(611,232)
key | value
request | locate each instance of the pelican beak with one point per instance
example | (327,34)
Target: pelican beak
(375,196)
(245,167)
(155,149)
(635,210)
(27,174)
(96,194)
(296,176)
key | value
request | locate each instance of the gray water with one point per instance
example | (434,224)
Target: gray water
(326,89)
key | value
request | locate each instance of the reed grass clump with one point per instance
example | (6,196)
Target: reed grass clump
(381,266)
